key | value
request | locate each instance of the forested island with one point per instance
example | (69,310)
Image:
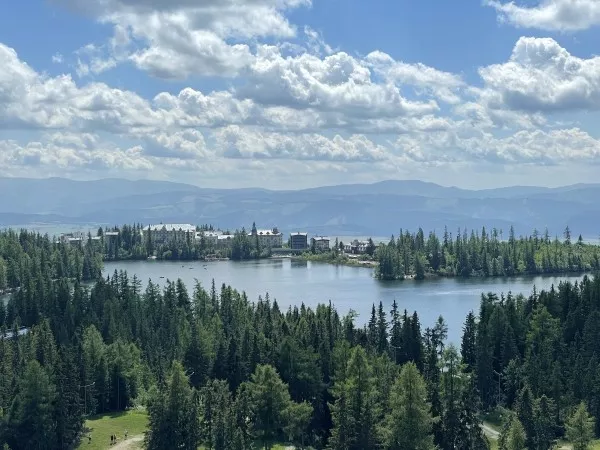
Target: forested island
(212,367)
(483,254)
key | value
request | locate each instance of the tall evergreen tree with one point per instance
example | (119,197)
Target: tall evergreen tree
(408,423)
(173,416)
(580,428)
(31,418)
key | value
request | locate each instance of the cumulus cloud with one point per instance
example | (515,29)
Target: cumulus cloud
(552,15)
(68,153)
(237,142)
(337,82)
(178,38)
(443,85)
(540,79)
(525,146)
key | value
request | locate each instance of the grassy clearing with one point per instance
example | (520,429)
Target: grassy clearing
(101,427)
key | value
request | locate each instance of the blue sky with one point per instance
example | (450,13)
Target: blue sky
(298,93)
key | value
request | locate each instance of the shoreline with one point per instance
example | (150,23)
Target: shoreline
(353,262)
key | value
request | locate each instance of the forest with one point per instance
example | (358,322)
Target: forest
(215,368)
(484,254)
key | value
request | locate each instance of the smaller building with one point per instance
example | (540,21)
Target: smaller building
(211,237)
(356,247)
(321,243)
(299,241)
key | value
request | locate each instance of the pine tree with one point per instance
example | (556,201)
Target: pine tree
(525,413)
(298,421)
(513,436)
(69,411)
(31,422)
(270,400)
(382,343)
(468,347)
(173,416)
(544,418)
(580,428)
(408,423)
(354,411)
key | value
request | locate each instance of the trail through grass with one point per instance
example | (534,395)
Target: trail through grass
(101,427)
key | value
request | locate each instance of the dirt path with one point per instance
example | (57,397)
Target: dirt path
(489,431)
(130,443)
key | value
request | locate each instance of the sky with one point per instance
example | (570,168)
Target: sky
(287,94)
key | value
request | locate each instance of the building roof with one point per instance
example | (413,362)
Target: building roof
(210,233)
(222,237)
(321,238)
(171,227)
(111,233)
(266,233)
(298,234)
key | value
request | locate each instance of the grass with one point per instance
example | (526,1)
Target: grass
(134,421)
(101,427)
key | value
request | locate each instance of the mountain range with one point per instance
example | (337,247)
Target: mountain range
(378,209)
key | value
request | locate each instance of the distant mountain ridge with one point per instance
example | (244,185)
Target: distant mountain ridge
(378,209)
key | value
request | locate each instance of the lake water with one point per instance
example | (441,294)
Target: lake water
(294,282)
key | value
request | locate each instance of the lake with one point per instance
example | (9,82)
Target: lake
(293,282)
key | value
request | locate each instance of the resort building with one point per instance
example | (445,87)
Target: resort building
(321,243)
(299,241)
(356,247)
(212,237)
(268,238)
(168,232)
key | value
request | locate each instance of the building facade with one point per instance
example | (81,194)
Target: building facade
(299,241)
(267,238)
(321,243)
(168,232)
(211,237)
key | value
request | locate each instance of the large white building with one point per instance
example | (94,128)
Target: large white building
(167,232)
(268,238)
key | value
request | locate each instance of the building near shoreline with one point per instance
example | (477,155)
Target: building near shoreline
(267,238)
(211,237)
(299,241)
(167,232)
(356,247)
(321,243)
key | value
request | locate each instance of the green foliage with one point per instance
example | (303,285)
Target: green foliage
(513,436)
(173,414)
(580,428)
(481,254)
(30,420)
(408,424)
(270,401)
(307,375)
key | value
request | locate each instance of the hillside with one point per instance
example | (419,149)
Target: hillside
(359,209)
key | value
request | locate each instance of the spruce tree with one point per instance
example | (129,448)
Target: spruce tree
(580,428)
(408,423)
(173,416)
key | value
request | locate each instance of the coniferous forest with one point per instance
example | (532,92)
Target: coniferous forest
(215,368)
(484,254)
